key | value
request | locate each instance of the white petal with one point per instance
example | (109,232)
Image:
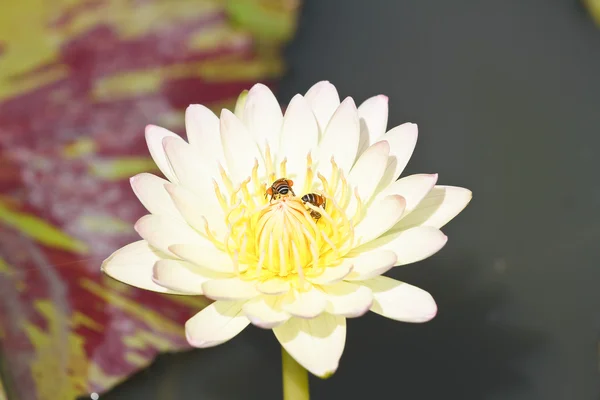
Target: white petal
(265,311)
(182,276)
(332,274)
(186,164)
(203,132)
(133,265)
(207,256)
(402,140)
(216,324)
(348,299)
(371,264)
(239,147)
(440,205)
(274,286)
(380,217)
(240,104)
(305,304)
(373,115)
(340,140)
(317,344)
(186,203)
(229,289)
(196,211)
(300,135)
(368,170)
(323,99)
(162,232)
(413,188)
(411,245)
(262,116)
(154,140)
(400,301)
(150,190)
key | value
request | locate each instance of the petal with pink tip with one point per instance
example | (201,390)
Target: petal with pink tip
(340,140)
(150,190)
(400,301)
(439,207)
(154,140)
(132,264)
(203,132)
(189,170)
(262,116)
(323,99)
(299,136)
(373,114)
(402,140)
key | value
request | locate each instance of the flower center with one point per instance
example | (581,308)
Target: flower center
(286,236)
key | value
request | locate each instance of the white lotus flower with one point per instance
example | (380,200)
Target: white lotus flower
(212,231)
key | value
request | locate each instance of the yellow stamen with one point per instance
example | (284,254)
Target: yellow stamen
(334,175)
(280,238)
(324,183)
(210,235)
(225,178)
(345,193)
(309,175)
(298,264)
(219,195)
(358,213)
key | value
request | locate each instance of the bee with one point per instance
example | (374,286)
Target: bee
(281,187)
(316,200)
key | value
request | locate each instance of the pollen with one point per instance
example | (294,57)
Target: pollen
(278,238)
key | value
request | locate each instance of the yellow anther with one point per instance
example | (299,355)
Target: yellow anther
(280,238)
(334,175)
(226,180)
(219,195)
(324,183)
(359,206)
(269,161)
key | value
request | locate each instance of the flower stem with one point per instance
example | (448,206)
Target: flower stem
(295,378)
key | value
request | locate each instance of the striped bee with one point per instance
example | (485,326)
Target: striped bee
(281,187)
(316,200)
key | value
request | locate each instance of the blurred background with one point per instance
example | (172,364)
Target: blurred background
(507,98)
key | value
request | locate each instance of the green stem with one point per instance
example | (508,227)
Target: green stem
(295,378)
